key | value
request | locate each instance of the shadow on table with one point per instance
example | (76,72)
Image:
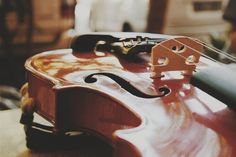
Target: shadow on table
(82,145)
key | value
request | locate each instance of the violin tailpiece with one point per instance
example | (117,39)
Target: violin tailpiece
(178,54)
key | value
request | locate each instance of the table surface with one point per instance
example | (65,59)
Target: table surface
(13,143)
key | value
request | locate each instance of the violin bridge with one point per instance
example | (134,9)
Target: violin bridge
(177,54)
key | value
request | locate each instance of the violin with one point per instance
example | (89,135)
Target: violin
(147,95)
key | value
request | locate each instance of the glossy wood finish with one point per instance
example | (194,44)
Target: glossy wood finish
(186,122)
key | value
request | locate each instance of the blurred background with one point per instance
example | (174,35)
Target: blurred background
(28,27)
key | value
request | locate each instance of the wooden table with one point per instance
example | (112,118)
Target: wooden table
(13,144)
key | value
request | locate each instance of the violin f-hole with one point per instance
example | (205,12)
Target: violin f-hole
(127,86)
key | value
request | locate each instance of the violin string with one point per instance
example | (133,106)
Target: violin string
(207,45)
(174,53)
(197,51)
(204,44)
(216,50)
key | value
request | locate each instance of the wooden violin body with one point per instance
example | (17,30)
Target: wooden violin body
(114,97)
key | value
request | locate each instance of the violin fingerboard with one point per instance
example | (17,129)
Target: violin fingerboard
(218,82)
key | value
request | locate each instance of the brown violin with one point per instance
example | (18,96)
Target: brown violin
(147,95)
